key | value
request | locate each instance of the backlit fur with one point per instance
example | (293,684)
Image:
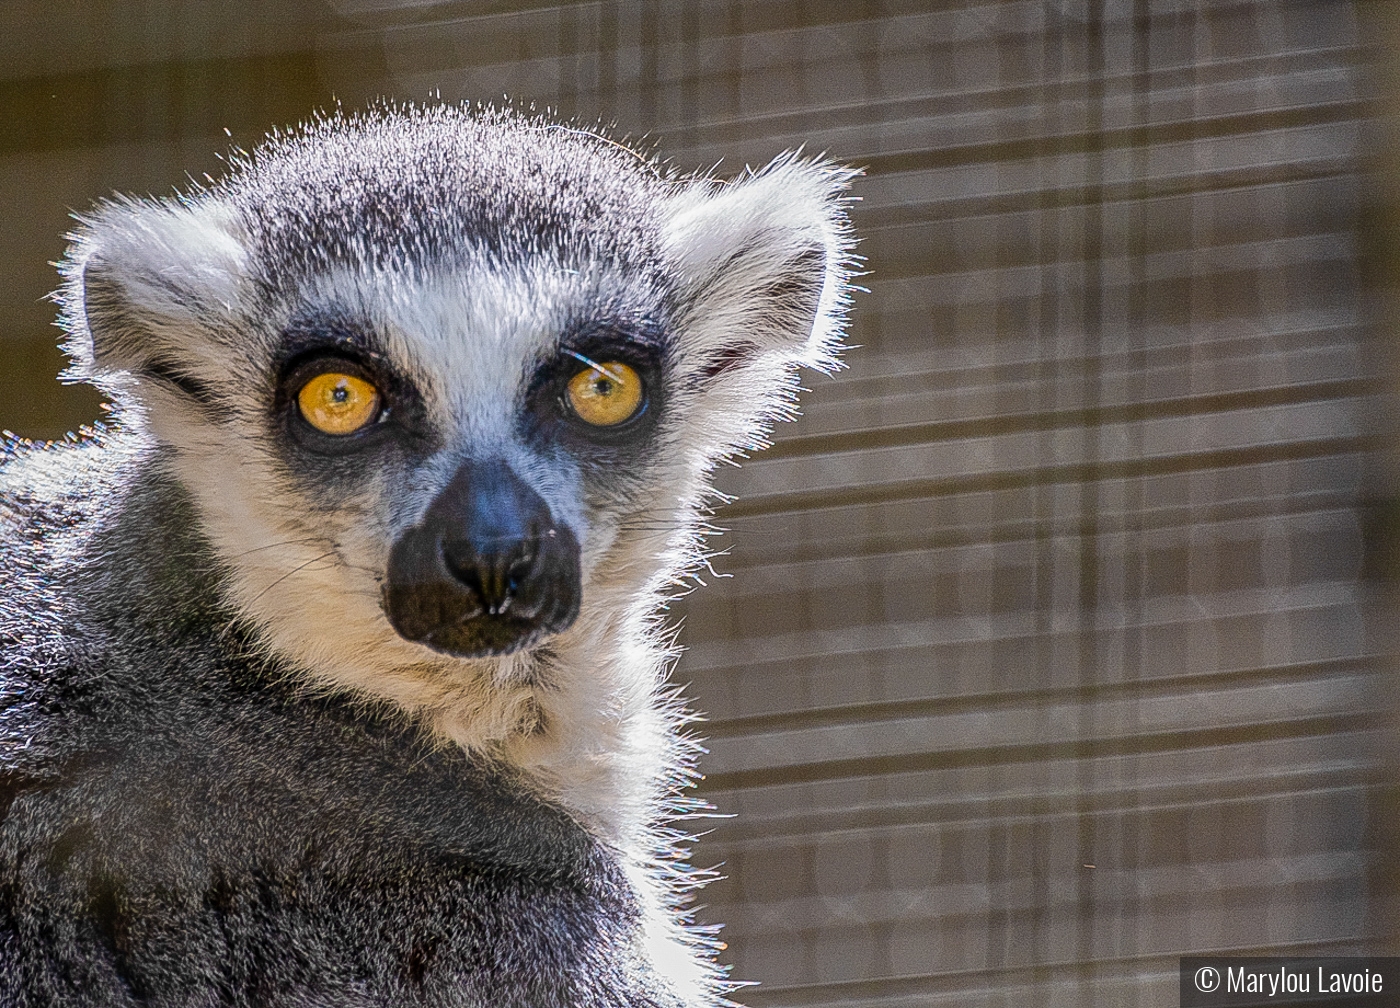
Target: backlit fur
(469,241)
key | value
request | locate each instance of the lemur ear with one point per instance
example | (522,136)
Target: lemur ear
(148,288)
(765,264)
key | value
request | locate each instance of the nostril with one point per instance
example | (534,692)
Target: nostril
(495,576)
(520,568)
(461,561)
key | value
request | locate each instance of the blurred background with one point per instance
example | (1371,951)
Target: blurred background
(1053,642)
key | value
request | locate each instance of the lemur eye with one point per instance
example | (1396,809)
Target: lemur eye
(337,403)
(606,394)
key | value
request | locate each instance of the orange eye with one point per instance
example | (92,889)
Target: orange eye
(606,395)
(336,403)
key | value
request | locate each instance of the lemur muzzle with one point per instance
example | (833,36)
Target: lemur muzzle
(487,571)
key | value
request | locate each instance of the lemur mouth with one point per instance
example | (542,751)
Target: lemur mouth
(487,572)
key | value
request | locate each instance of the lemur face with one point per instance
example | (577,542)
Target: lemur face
(499,422)
(446,386)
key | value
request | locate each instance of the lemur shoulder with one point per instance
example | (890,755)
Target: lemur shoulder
(332,668)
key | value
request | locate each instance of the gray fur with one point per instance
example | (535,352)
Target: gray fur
(436,189)
(225,780)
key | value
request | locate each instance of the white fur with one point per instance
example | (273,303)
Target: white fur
(731,242)
(184,268)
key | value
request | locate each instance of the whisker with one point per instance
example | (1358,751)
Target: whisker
(295,570)
(594,365)
(229,627)
(275,545)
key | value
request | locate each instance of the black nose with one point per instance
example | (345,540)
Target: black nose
(487,571)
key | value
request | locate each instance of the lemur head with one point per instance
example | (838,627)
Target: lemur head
(445,385)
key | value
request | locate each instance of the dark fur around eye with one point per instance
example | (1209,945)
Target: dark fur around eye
(319,346)
(548,415)
(300,428)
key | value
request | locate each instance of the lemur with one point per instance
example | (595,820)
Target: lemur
(334,664)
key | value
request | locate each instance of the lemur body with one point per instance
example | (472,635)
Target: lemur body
(332,672)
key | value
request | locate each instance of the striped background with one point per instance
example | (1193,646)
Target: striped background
(1047,648)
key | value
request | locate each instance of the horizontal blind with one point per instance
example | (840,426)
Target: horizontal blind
(1042,655)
